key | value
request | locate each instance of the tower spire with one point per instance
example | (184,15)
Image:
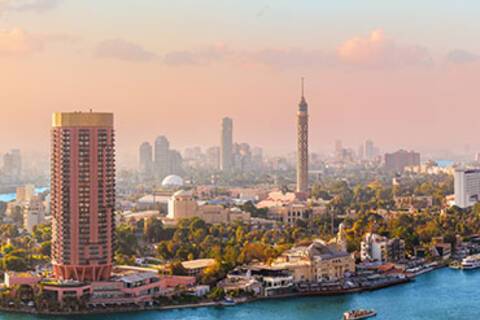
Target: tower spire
(303,87)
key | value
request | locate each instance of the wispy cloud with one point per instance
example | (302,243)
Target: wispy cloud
(120,49)
(462,56)
(18,42)
(28,5)
(199,56)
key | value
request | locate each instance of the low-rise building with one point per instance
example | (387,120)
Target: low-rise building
(183,205)
(196,267)
(378,248)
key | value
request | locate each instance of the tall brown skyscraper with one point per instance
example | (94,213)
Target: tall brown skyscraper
(82,195)
(302,144)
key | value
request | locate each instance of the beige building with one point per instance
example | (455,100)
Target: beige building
(196,267)
(33,214)
(320,261)
(182,205)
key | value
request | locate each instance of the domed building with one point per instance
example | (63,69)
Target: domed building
(172,182)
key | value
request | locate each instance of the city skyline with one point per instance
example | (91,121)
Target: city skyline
(371,79)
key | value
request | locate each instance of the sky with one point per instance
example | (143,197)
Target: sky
(402,73)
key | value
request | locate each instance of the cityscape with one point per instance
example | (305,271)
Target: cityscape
(235,205)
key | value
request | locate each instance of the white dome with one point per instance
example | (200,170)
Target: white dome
(172,181)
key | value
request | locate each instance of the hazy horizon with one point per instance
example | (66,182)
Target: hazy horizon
(169,69)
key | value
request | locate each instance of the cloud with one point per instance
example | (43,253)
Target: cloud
(462,56)
(120,49)
(28,5)
(377,50)
(18,42)
(201,56)
(290,58)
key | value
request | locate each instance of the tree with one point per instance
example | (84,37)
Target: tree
(154,230)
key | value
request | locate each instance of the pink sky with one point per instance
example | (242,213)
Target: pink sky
(377,82)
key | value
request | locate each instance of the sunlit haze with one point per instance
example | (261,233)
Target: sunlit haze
(404,74)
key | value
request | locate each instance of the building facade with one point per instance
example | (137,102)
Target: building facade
(146,160)
(467,187)
(82,195)
(381,249)
(398,161)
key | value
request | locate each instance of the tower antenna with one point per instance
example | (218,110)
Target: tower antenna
(303,86)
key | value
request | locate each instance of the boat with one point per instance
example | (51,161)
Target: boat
(455,265)
(228,302)
(471,262)
(359,314)
(420,270)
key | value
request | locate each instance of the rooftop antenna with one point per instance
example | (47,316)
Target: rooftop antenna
(303,87)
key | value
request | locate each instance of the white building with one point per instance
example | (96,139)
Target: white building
(375,247)
(467,187)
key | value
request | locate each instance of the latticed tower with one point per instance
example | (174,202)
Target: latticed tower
(302,144)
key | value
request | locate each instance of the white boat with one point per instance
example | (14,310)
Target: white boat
(359,314)
(420,270)
(471,262)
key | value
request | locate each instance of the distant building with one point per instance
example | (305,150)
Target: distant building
(161,157)
(25,193)
(183,205)
(401,159)
(146,160)
(226,145)
(12,164)
(467,187)
(33,214)
(377,248)
(369,150)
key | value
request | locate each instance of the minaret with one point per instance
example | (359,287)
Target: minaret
(302,144)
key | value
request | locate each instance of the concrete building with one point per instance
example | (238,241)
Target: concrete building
(146,160)
(381,249)
(33,214)
(25,193)
(302,145)
(401,159)
(467,187)
(226,145)
(12,164)
(83,195)
(161,157)
(318,262)
(369,150)
(183,205)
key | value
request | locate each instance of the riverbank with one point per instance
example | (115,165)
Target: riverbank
(205,304)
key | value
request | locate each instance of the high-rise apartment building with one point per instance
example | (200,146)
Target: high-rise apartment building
(467,187)
(401,159)
(12,164)
(82,195)
(146,160)
(302,144)
(369,150)
(162,153)
(226,145)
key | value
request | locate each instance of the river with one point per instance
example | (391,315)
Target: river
(439,295)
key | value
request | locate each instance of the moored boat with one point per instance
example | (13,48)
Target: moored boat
(359,314)
(471,262)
